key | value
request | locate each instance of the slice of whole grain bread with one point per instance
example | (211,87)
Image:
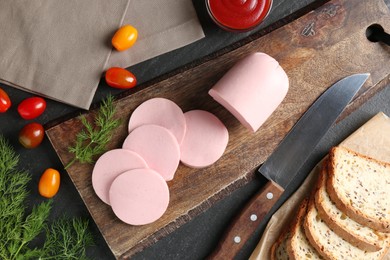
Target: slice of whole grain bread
(329,244)
(358,235)
(279,248)
(360,187)
(298,246)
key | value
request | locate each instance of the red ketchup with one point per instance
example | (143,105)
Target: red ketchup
(238,15)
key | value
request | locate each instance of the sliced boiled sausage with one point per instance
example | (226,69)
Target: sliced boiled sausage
(157,146)
(162,112)
(139,196)
(109,166)
(252,89)
(205,140)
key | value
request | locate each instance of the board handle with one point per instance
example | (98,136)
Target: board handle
(246,222)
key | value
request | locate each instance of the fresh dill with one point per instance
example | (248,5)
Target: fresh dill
(92,140)
(65,239)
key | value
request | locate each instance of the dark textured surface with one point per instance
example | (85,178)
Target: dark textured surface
(197,238)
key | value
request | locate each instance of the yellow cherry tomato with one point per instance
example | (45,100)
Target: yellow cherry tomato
(49,183)
(124,38)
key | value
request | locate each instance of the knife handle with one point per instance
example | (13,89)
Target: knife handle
(246,222)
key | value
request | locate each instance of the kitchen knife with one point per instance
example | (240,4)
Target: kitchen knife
(284,164)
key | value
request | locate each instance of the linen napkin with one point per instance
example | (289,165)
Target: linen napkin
(163,25)
(59,49)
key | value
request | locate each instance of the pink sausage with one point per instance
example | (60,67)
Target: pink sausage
(139,196)
(162,112)
(252,89)
(205,140)
(109,166)
(157,146)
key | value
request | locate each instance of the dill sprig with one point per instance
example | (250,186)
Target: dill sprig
(13,193)
(65,239)
(93,139)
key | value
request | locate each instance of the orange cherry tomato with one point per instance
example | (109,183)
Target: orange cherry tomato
(124,38)
(5,102)
(120,78)
(31,135)
(49,183)
(32,107)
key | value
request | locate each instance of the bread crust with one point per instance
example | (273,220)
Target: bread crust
(372,241)
(375,222)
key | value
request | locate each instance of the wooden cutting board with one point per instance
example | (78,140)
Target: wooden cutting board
(316,50)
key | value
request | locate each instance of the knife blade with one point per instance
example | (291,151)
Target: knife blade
(283,166)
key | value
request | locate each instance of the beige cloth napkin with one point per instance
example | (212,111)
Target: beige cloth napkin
(163,25)
(371,139)
(59,49)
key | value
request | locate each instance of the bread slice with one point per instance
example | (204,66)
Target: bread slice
(329,244)
(358,235)
(360,187)
(298,246)
(279,248)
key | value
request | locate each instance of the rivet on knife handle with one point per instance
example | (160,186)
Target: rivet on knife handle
(246,222)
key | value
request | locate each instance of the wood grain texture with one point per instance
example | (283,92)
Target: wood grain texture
(316,50)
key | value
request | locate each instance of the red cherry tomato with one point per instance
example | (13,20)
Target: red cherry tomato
(5,102)
(124,38)
(32,107)
(49,183)
(120,78)
(31,135)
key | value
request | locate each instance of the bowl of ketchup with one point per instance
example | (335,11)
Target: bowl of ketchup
(238,15)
